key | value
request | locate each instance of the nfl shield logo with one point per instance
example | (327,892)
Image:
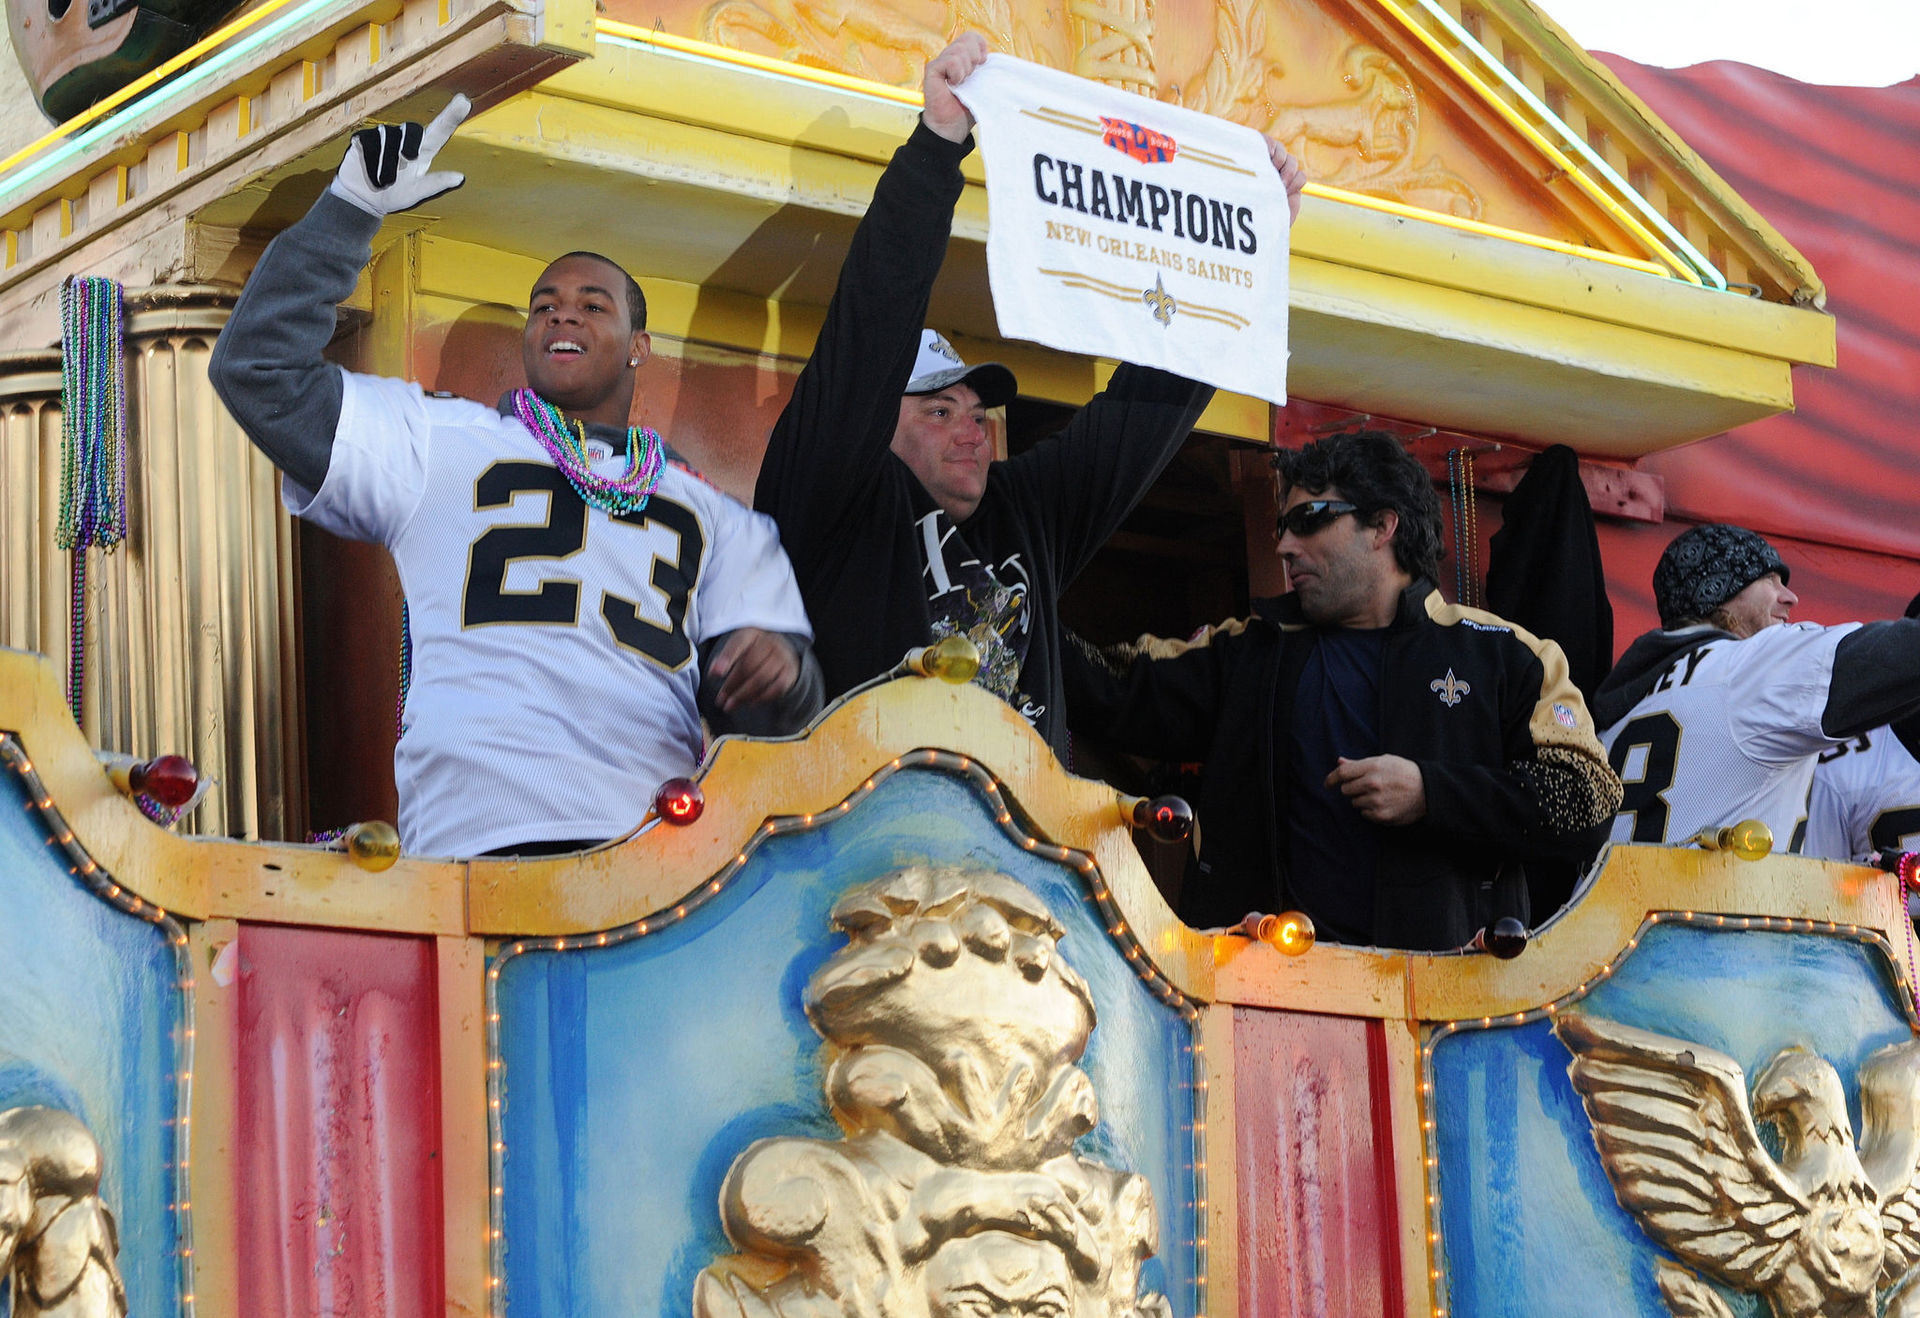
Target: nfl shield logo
(1564,715)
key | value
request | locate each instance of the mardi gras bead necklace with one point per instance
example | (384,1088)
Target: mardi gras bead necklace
(93,445)
(567,446)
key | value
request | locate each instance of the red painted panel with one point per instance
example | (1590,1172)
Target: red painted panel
(1317,1219)
(337,1094)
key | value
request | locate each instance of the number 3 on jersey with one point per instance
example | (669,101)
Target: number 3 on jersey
(1645,798)
(562,535)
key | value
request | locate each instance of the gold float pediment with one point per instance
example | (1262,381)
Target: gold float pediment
(1392,100)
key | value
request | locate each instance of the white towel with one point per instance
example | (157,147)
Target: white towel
(1120,227)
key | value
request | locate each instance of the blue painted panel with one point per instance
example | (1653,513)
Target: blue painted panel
(636,1073)
(1528,1218)
(90,1014)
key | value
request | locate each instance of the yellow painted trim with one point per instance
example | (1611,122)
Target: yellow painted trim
(904,96)
(466,1225)
(1572,949)
(713,141)
(608,27)
(1560,160)
(216,1257)
(204,878)
(1412,1201)
(1620,107)
(1220,1114)
(102,108)
(1561,282)
(745,782)
(1641,879)
(1598,346)
(1483,229)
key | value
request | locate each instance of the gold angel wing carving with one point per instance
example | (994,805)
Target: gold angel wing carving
(1890,1150)
(1678,1137)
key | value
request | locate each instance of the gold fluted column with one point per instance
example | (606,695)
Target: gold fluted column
(191,640)
(33,574)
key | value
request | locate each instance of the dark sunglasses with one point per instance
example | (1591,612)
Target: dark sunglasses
(1315,515)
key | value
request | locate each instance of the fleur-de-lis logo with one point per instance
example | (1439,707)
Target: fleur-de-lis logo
(1160,302)
(1450,689)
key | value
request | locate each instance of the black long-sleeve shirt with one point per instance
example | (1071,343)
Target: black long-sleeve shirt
(852,515)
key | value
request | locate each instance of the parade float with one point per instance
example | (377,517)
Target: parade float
(889,1018)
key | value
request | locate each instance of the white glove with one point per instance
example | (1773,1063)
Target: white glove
(387,166)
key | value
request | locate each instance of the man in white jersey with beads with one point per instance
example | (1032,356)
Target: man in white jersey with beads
(1866,792)
(577,598)
(1721,714)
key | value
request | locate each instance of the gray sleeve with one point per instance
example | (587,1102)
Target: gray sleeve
(267,365)
(1876,678)
(774,718)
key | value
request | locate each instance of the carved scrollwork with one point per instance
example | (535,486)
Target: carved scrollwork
(954,1031)
(1366,141)
(58,1241)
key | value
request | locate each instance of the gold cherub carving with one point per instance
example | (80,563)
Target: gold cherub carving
(58,1242)
(954,1031)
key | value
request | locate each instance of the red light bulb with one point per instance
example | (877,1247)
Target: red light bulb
(1166,818)
(679,801)
(170,780)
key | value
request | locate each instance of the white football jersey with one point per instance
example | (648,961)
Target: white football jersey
(1729,732)
(554,646)
(1866,798)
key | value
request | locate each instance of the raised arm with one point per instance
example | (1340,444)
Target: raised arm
(1876,678)
(1093,473)
(267,365)
(1163,708)
(828,445)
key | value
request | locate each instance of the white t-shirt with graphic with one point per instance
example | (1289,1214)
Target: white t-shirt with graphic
(554,645)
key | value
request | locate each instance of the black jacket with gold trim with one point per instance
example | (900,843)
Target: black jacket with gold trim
(1511,765)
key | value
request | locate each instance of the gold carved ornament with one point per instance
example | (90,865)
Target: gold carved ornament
(953,1032)
(58,1241)
(1364,140)
(1826,1229)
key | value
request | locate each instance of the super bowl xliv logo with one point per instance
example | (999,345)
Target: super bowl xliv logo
(1144,144)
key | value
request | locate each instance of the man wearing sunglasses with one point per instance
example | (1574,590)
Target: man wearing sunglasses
(1381,759)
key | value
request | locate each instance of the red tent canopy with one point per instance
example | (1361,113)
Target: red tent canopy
(1836,484)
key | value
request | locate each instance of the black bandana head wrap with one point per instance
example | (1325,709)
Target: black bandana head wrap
(1705,567)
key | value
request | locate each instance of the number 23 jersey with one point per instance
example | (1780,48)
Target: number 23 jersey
(555,646)
(1730,731)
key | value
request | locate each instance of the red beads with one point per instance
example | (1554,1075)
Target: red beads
(679,801)
(169,780)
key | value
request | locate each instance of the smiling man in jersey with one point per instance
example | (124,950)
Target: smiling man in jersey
(577,597)
(881,472)
(1721,714)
